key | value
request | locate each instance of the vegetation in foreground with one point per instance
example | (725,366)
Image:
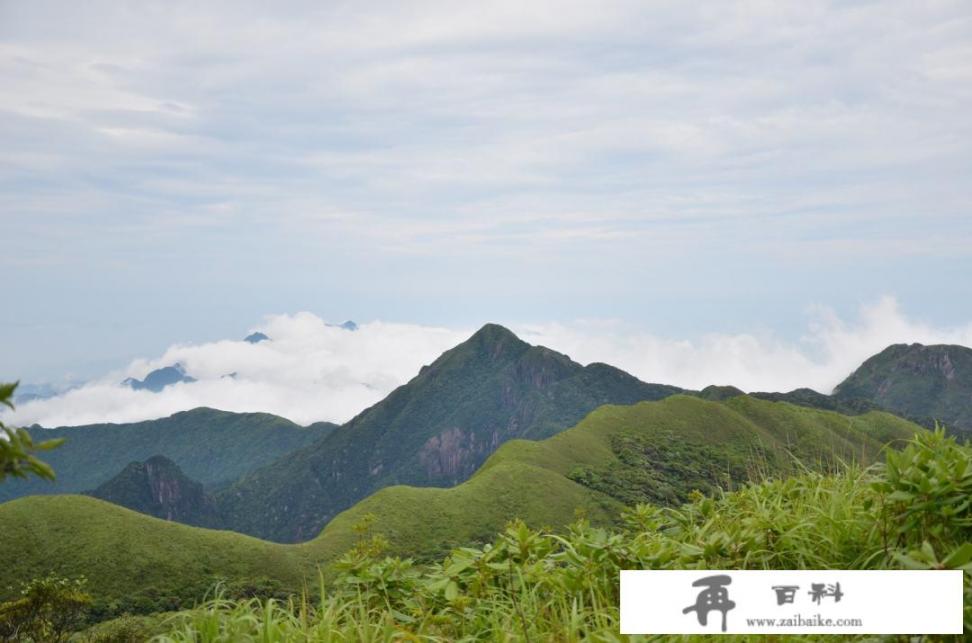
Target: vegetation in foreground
(912,511)
(651,452)
(18,449)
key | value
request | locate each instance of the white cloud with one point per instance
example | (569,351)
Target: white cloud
(829,351)
(311,371)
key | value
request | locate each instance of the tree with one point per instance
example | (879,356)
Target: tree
(49,610)
(17,447)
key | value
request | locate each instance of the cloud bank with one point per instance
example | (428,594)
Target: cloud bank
(312,371)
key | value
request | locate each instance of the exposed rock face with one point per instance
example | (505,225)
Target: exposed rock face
(448,455)
(159,488)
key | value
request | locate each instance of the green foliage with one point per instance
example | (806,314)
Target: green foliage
(126,629)
(48,611)
(652,450)
(535,586)
(213,447)
(926,494)
(660,468)
(17,447)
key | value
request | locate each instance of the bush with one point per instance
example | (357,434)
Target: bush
(48,611)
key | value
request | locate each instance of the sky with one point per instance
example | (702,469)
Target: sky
(177,173)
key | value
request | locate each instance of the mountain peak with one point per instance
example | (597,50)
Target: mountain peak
(160,378)
(925,382)
(494,342)
(493,332)
(158,487)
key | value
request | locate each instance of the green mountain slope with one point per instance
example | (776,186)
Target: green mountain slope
(213,447)
(924,382)
(656,451)
(131,559)
(433,431)
(159,488)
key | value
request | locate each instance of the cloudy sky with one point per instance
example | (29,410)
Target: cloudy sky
(172,173)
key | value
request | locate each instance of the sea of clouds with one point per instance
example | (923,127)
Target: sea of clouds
(311,370)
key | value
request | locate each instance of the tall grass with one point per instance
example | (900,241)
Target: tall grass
(912,512)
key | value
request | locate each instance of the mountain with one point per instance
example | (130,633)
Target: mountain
(159,488)
(160,378)
(651,451)
(924,382)
(433,431)
(213,447)
(847,405)
(256,338)
(719,393)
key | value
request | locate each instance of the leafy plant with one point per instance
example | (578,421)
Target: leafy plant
(48,611)
(17,448)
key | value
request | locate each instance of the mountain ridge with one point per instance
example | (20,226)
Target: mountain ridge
(212,446)
(434,430)
(607,461)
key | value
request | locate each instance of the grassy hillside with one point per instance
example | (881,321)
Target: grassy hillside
(132,560)
(530,585)
(434,431)
(649,452)
(213,447)
(618,455)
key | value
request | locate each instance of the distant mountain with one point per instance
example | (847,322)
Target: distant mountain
(719,393)
(808,397)
(618,455)
(213,447)
(923,382)
(433,431)
(159,488)
(256,338)
(160,378)
(32,392)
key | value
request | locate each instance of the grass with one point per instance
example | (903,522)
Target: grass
(137,563)
(529,585)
